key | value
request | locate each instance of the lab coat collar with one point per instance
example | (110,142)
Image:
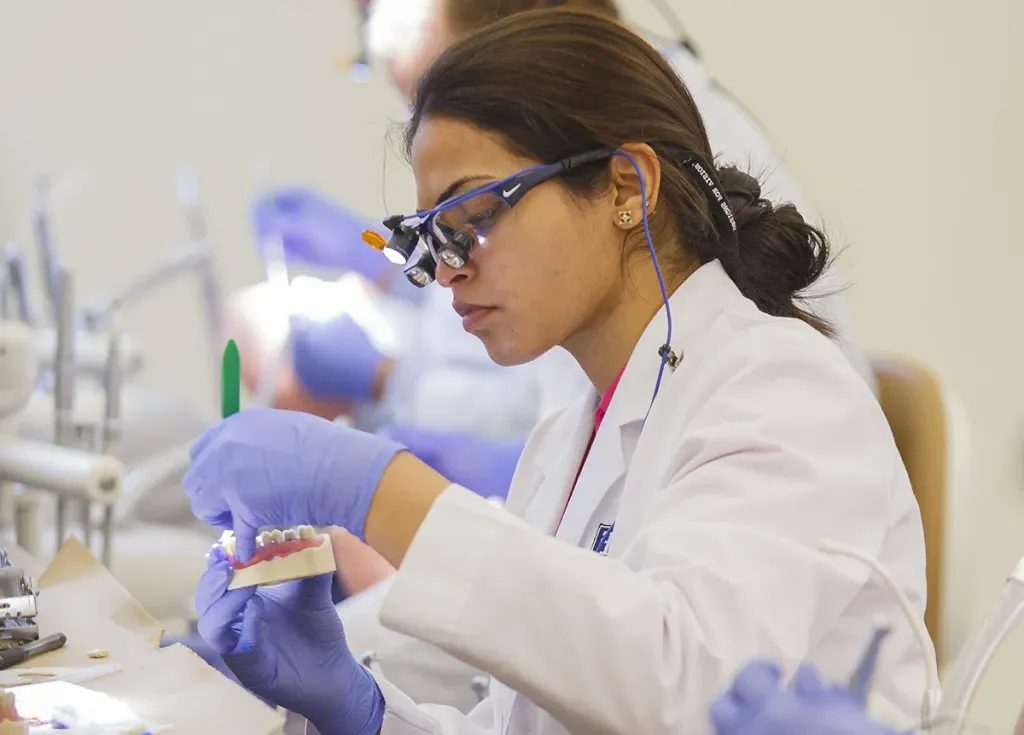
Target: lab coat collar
(695,304)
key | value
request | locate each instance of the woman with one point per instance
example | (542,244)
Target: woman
(648,548)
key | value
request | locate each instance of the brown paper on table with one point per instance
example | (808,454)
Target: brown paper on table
(163,686)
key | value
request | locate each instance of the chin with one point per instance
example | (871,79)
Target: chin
(507,352)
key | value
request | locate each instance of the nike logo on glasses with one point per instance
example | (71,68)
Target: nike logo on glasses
(509,192)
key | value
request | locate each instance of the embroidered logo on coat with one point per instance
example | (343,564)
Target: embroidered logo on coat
(602,537)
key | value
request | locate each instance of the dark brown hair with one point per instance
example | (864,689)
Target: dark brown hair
(556,83)
(470,15)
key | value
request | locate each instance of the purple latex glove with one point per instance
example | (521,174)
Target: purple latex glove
(335,359)
(264,467)
(757,704)
(286,644)
(482,465)
(315,231)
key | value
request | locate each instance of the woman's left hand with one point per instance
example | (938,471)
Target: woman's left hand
(758,703)
(263,467)
(286,644)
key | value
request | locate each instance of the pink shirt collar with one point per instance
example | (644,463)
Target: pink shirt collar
(606,399)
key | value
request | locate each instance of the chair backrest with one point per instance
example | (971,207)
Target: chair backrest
(912,400)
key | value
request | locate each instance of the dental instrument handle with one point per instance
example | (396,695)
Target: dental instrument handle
(16,285)
(64,377)
(864,673)
(231,380)
(45,247)
(209,282)
(19,654)
(111,434)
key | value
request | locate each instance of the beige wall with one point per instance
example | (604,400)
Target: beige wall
(902,118)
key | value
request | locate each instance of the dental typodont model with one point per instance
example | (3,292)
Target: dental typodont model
(281,556)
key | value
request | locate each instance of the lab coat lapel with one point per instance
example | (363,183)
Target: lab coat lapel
(607,460)
(557,462)
(695,304)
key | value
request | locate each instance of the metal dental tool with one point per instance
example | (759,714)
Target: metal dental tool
(273,254)
(64,379)
(15,287)
(15,656)
(41,226)
(188,198)
(111,431)
(864,673)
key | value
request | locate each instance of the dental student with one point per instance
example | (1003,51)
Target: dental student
(446,393)
(661,530)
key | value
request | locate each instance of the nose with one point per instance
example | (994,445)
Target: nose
(447,276)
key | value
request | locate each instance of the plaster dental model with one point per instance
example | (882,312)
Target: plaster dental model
(281,556)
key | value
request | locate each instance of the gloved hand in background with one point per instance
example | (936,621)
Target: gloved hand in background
(483,465)
(286,645)
(315,231)
(758,704)
(264,467)
(335,360)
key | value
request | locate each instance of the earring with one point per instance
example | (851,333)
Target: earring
(625,217)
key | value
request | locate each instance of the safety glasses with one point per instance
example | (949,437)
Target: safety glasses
(450,232)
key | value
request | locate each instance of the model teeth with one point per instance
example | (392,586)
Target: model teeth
(227,542)
(274,536)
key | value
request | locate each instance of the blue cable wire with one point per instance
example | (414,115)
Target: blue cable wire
(657,271)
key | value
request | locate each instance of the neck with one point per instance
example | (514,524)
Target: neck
(603,346)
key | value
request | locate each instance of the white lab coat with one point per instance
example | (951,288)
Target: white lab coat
(762,442)
(453,384)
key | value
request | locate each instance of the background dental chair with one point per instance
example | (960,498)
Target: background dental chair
(931,435)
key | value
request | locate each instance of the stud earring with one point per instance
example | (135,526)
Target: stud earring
(625,217)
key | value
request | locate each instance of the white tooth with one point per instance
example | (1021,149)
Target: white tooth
(259,541)
(265,538)
(291,535)
(306,532)
(276,536)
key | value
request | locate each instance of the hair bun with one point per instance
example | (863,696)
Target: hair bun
(741,189)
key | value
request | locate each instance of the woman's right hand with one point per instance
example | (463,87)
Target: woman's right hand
(286,644)
(264,467)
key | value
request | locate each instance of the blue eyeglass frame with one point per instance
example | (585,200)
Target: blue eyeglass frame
(511,191)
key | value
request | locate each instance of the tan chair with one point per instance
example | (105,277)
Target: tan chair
(912,400)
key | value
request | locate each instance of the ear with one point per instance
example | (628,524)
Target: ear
(630,196)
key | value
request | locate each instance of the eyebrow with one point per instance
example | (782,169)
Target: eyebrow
(453,188)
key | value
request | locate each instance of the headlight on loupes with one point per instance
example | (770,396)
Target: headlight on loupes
(406,248)
(418,248)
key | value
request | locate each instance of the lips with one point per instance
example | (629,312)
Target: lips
(472,314)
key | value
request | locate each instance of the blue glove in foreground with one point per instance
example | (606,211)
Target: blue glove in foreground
(315,231)
(482,465)
(286,644)
(263,467)
(757,704)
(335,359)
